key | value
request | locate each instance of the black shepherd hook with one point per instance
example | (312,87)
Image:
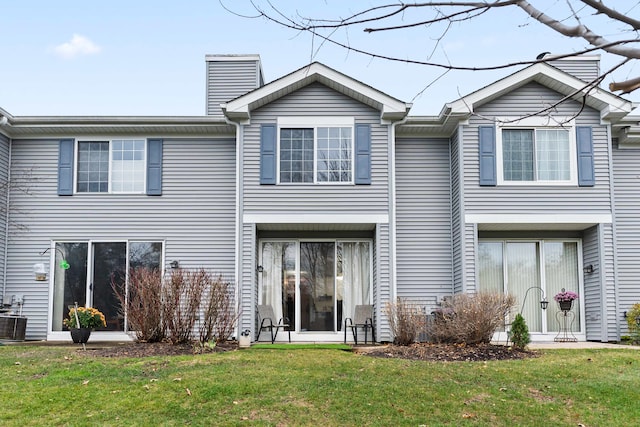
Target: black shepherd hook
(56,248)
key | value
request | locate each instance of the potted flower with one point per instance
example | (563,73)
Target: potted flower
(565,299)
(82,320)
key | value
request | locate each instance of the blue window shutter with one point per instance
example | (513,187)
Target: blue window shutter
(487,149)
(65,167)
(363,154)
(154,167)
(268,155)
(586,173)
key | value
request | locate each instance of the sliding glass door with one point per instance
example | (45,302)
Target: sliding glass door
(528,269)
(315,283)
(84,273)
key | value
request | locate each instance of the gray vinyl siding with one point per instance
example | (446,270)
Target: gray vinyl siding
(382,279)
(248,292)
(316,100)
(227,80)
(522,199)
(582,69)
(470,257)
(592,298)
(456,215)
(612,332)
(195,215)
(4,207)
(423,219)
(627,204)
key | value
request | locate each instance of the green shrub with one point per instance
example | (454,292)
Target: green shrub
(520,332)
(634,329)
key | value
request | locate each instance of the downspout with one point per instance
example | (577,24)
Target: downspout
(6,225)
(238,252)
(393,291)
(614,235)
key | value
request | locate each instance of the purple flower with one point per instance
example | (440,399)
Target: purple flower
(565,296)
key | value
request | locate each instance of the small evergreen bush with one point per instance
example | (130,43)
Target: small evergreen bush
(634,329)
(520,332)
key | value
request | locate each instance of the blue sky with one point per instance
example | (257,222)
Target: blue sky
(147,58)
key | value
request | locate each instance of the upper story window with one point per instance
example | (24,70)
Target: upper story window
(315,150)
(116,166)
(531,153)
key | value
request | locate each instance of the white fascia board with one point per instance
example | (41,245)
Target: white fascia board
(538,218)
(117,120)
(391,107)
(466,104)
(302,218)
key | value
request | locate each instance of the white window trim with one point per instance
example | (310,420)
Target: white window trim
(315,123)
(110,140)
(537,123)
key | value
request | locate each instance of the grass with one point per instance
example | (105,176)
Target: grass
(316,386)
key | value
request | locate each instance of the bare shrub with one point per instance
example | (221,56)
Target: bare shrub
(470,319)
(181,300)
(142,304)
(406,320)
(219,316)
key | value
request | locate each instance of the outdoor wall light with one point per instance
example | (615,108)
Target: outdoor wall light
(260,269)
(174,264)
(588,269)
(40,271)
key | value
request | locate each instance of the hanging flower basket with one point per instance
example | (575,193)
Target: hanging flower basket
(565,305)
(565,299)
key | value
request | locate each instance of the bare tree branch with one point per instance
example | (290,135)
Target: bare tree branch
(613,14)
(386,16)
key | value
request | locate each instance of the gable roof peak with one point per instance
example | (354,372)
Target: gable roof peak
(610,106)
(390,108)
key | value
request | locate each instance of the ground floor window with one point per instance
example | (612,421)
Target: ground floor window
(84,272)
(316,284)
(517,266)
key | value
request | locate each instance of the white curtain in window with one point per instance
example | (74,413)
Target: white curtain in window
(272,276)
(523,269)
(561,271)
(356,273)
(552,155)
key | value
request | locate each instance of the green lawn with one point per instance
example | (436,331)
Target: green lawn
(316,386)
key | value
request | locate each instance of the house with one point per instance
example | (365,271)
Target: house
(316,192)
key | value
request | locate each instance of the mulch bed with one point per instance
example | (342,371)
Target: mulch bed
(428,352)
(450,352)
(155,349)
